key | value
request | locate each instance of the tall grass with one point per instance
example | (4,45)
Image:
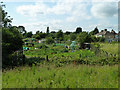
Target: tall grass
(110,47)
(0,79)
(68,76)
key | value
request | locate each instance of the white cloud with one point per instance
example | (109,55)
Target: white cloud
(59,0)
(41,26)
(102,26)
(61,7)
(74,10)
(32,10)
(104,10)
(105,0)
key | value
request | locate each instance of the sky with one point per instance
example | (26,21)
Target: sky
(65,15)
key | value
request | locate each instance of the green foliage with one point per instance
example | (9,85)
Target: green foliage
(83,37)
(51,35)
(93,56)
(28,35)
(93,38)
(67,37)
(94,68)
(49,40)
(101,39)
(95,31)
(72,37)
(89,70)
(6,20)
(69,76)
(78,30)
(97,39)
(39,35)
(67,32)
(59,35)
(11,40)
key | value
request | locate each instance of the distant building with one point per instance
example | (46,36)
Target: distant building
(109,36)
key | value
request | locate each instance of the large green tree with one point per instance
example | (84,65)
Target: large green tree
(11,38)
(95,31)
(84,37)
(78,30)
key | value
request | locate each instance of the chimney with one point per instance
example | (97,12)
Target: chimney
(105,29)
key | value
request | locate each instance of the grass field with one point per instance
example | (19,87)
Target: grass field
(111,48)
(69,76)
(93,72)
(0,79)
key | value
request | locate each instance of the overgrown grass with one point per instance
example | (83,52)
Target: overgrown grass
(0,79)
(110,47)
(69,76)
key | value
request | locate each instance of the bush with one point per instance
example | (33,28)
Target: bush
(72,37)
(49,40)
(15,59)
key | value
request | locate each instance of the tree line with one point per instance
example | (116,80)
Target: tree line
(78,35)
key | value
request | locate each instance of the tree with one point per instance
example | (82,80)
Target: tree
(29,34)
(11,42)
(67,32)
(95,31)
(11,38)
(40,35)
(47,30)
(43,35)
(51,35)
(101,39)
(78,30)
(59,35)
(72,37)
(37,32)
(6,20)
(84,37)
(49,40)
(53,32)
(93,38)
(37,36)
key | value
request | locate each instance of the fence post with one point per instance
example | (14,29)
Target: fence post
(47,58)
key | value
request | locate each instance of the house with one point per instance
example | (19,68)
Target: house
(109,36)
(117,36)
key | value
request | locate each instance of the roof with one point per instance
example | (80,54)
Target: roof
(102,33)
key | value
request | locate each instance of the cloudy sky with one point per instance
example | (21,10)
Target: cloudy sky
(63,14)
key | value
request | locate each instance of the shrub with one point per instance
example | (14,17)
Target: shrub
(49,40)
